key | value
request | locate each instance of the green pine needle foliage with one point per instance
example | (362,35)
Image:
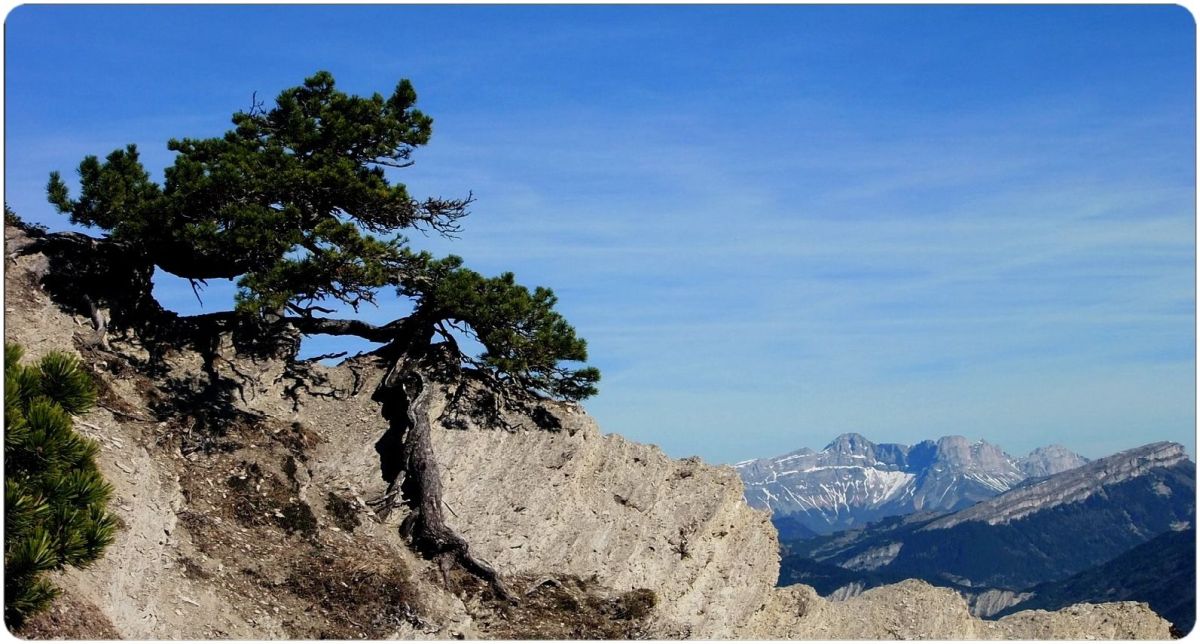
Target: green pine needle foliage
(525,340)
(54,496)
(299,204)
(65,383)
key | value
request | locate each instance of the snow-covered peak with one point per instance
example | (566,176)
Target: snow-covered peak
(853,480)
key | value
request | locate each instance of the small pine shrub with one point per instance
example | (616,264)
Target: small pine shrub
(54,497)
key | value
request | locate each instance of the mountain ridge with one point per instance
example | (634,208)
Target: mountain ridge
(1159,572)
(853,481)
(1071,486)
(1043,531)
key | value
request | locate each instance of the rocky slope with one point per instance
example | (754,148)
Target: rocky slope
(852,481)
(245,515)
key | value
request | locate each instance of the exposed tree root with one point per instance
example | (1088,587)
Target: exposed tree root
(92,277)
(418,483)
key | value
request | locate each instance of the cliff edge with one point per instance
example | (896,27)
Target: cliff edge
(253,514)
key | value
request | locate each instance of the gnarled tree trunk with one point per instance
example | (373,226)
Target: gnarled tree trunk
(86,273)
(405,394)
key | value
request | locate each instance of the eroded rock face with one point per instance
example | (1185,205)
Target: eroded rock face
(579,502)
(990,602)
(529,500)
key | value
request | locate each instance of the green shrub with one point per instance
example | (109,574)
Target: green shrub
(54,497)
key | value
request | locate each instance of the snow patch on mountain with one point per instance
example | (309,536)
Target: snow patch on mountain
(852,481)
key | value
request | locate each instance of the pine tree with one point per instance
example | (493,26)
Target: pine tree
(290,202)
(294,203)
(54,496)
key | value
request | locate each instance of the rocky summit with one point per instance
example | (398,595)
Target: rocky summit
(852,481)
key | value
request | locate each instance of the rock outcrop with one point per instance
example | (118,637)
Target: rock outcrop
(249,518)
(579,502)
(915,610)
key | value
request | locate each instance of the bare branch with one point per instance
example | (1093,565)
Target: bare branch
(326,356)
(331,326)
(196,291)
(307,311)
(391,164)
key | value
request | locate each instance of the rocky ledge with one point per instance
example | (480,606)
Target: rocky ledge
(249,532)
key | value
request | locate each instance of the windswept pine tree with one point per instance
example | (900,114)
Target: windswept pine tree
(297,205)
(291,202)
(54,497)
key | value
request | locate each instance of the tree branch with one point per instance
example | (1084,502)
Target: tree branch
(307,311)
(331,326)
(196,291)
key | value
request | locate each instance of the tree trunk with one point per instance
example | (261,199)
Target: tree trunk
(417,479)
(87,273)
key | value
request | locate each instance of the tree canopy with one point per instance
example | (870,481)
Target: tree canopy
(292,203)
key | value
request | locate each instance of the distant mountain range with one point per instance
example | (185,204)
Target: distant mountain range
(852,481)
(1083,534)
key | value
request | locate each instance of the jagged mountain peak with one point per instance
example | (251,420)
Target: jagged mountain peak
(956,444)
(850,443)
(1071,486)
(1000,550)
(1054,449)
(854,480)
(964,453)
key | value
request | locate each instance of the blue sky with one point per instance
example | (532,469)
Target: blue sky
(772,224)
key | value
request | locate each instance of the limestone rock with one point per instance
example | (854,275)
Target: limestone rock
(562,503)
